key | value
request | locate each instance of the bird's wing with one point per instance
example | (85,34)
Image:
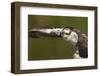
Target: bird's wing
(45,32)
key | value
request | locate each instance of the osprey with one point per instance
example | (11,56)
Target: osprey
(79,40)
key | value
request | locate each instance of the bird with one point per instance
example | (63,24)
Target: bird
(69,34)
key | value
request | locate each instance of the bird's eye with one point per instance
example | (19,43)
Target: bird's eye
(67,33)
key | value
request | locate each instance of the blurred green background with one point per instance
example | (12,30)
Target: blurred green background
(47,48)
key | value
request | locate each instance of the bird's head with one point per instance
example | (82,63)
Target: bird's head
(69,34)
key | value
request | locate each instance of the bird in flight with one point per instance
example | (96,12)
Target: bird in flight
(69,34)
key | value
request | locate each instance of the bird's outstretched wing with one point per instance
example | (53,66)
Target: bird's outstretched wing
(45,32)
